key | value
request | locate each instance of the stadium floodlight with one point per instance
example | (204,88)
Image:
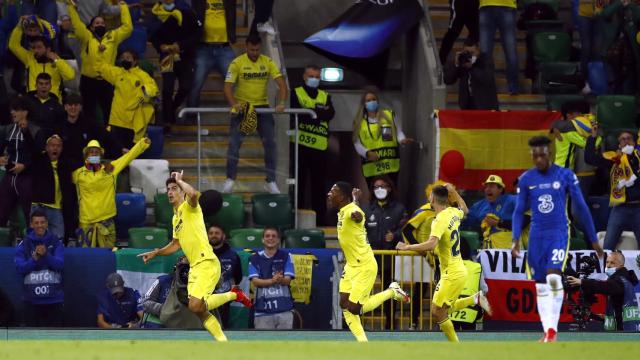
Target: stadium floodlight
(331,74)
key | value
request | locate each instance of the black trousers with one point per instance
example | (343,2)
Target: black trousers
(97,96)
(183,72)
(462,13)
(262,14)
(122,137)
(46,315)
(312,180)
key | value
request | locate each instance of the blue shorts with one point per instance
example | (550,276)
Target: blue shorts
(547,251)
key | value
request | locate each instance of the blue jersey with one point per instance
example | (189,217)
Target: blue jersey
(546,195)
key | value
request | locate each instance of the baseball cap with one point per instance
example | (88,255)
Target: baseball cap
(494,179)
(115,283)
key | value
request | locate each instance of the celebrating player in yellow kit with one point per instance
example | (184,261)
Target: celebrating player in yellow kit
(361,269)
(190,234)
(445,240)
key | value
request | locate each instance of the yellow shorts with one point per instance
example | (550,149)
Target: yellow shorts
(203,278)
(448,290)
(358,281)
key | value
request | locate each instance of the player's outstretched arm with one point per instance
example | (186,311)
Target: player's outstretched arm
(425,246)
(583,214)
(169,249)
(192,194)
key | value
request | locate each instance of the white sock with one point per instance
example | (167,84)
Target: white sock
(554,281)
(545,305)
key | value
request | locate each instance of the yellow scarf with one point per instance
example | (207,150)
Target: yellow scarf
(621,170)
(249,122)
(162,14)
(500,239)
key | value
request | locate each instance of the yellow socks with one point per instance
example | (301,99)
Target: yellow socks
(216,300)
(376,300)
(463,303)
(213,327)
(353,321)
(447,328)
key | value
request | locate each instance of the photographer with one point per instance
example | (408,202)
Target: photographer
(477,87)
(618,287)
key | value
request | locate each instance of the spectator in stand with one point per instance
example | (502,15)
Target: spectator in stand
(477,85)
(132,107)
(176,44)
(501,15)
(39,260)
(461,14)
(45,9)
(624,198)
(250,74)
(98,45)
(118,306)
(376,136)
(271,271)
(217,20)
(384,218)
(313,141)
(262,18)
(41,59)
(53,192)
(230,265)
(590,37)
(15,186)
(68,47)
(491,216)
(44,105)
(8,21)
(96,187)
(76,130)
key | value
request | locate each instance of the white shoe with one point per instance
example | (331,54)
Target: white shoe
(227,187)
(482,300)
(398,293)
(266,27)
(271,187)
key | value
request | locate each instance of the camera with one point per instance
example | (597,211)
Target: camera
(464,57)
(580,308)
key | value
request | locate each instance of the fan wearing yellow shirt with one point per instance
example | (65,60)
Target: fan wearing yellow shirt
(361,269)
(190,234)
(444,240)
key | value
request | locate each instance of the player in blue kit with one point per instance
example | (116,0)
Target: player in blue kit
(544,190)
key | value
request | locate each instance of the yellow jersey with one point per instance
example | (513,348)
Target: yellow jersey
(251,78)
(215,23)
(353,237)
(421,221)
(445,228)
(189,229)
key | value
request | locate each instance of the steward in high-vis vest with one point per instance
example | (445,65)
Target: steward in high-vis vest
(313,140)
(471,314)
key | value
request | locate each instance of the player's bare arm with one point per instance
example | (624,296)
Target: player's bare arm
(169,249)
(190,192)
(428,245)
(458,199)
(515,248)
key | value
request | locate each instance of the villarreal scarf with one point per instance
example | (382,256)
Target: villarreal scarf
(162,14)
(620,171)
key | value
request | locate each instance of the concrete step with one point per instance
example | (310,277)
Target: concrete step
(191,163)
(250,184)
(501,85)
(251,148)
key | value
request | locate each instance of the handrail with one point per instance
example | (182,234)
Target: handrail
(227,110)
(431,40)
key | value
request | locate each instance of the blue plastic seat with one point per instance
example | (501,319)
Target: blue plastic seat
(131,213)
(156,135)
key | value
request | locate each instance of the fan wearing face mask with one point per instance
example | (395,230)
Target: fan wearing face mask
(384,219)
(624,187)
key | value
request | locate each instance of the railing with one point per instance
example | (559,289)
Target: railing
(226,110)
(430,37)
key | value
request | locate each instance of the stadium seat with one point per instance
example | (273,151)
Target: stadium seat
(559,78)
(17,222)
(148,177)
(272,210)
(577,241)
(246,238)
(304,239)
(156,135)
(553,4)
(599,207)
(231,215)
(137,42)
(131,213)
(473,239)
(616,111)
(555,102)
(551,47)
(5,237)
(536,26)
(148,237)
(163,211)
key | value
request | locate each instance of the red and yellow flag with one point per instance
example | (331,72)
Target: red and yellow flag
(473,144)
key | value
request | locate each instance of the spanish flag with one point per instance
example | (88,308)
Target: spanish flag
(473,144)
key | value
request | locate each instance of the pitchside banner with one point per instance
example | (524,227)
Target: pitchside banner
(513,297)
(367,28)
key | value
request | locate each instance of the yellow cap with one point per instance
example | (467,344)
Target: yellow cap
(93,144)
(494,179)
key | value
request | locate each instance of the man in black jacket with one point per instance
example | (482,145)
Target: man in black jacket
(619,290)
(216,31)
(44,105)
(230,266)
(176,43)
(477,87)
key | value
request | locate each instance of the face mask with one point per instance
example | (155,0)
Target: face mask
(610,271)
(169,7)
(371,105)
(473,59)
(126,64)
(100,31)
(93,159)
(312,82)
(627,149)
(381,193)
